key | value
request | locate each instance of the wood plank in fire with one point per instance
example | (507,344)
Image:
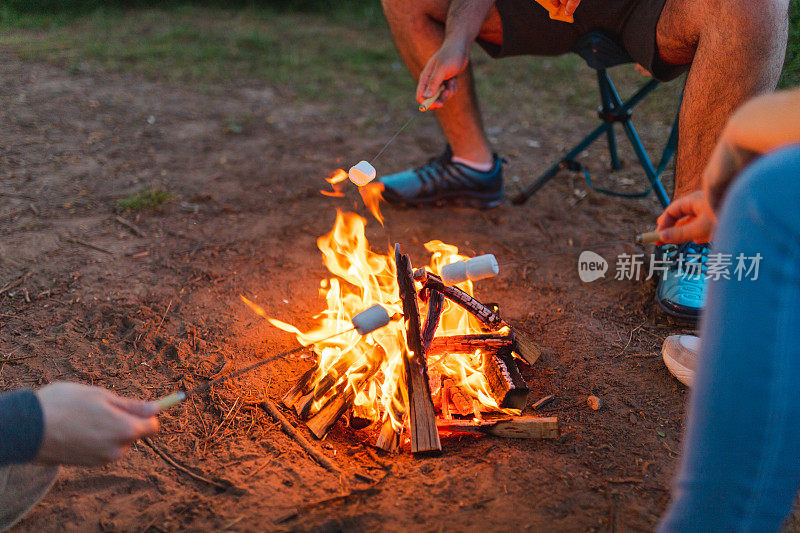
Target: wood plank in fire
(422,417)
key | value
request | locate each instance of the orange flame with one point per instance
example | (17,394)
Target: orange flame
(372,366)
(335,179)
(372,194)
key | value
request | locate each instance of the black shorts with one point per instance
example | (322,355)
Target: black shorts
(528,30)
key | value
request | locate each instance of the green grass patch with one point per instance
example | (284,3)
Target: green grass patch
(144,200)
(791,68)
(311,54)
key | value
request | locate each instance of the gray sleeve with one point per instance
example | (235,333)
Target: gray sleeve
(21,426)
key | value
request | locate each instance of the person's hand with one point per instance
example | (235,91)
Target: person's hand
(570,5)
(688,218)
(89,425)
(442,68)
(725,163)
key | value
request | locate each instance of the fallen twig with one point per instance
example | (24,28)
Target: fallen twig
(290,430)
(16,360)
(131,226)
(73,240)
(543,402)
(220,485)
(19,281)
(341,498)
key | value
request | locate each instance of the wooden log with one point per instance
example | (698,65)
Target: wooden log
(520,427)
(525,347)
(435,308)
(422,417)
(480,311)
(457,399)
(326,417)
(302,406)
(388,438)
(301,387)
(506,384)
(469,343)
(341,400)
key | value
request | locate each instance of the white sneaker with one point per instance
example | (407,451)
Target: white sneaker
(680,355)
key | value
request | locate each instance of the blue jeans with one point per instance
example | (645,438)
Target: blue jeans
(741,457)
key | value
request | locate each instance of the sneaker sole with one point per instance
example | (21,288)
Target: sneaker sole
(681,312)
(683,374)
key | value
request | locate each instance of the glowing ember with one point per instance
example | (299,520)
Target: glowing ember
(371,367)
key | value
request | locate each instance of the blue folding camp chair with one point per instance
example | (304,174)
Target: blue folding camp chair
(601,53)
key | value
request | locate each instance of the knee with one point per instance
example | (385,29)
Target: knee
(760,22)
(394,9)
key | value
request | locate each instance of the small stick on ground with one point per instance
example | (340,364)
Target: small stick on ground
(87,244)
(19,281)
(220,485)
(341,498)
(290,430)
(543,402)
(131,226)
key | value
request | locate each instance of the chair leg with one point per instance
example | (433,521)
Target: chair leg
(550,173)
(607,107)
(647,165)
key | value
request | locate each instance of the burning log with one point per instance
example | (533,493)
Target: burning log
(435,308)
(422,418)
(526,348)
(388,439)
(302,406)
(470,343)
(451,394)
(339,402)
(521,427)
(483,313)
(301,387)
(506,384)
(326,417)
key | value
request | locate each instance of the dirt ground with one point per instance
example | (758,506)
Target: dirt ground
(144,314)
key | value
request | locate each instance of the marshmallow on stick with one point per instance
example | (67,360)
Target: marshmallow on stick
(362,173)
(364,323)
(371,319)
(477,268)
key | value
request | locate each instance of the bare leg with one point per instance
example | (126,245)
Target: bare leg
(418,30)
(736,48)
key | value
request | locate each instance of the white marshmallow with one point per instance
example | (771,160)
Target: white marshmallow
(371,319)
(362,173)
(482,267)
(455,273)
(477,268)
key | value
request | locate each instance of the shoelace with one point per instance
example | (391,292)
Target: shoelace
(435,169)
(692,254)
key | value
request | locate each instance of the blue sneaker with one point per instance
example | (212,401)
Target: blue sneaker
(681,290)
(441,181)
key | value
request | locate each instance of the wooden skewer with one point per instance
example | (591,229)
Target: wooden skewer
(179,396)
(648,238)
(424,106)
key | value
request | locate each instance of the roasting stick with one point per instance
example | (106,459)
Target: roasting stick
(364,323)
(364,172)
(649,237)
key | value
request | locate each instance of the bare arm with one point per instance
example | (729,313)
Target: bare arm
(761,125)
(464,21)
(465,18)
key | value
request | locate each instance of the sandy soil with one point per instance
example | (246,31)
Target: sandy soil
(151,313)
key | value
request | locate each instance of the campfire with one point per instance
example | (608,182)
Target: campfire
(454,371)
